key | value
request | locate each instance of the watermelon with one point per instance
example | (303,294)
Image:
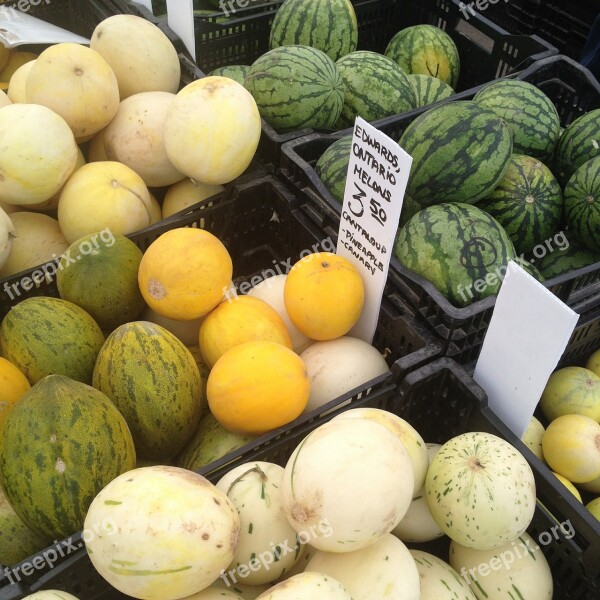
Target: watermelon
(428,89)
(566,259)
(44,336)
(530,115)
(579,143)
(460,151)
(60,445)
(154,381)
(426,50)
(332,167)
(409,209)
(376,87)
(459,248)
(582,204)
(528,266)
(528,202)
(295,87)
(236,72)
(328,25)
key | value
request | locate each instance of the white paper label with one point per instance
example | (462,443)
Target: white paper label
(377,176)
(180,17)
(528,333)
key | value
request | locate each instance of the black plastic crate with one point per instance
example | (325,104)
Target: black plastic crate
(574,91)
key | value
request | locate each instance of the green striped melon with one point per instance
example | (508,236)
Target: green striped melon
(236,72)
(459,248)
(428,89)
(530,115)
(154,381)
(582,204)
(295,87)
(460,152)
(579,142)
(409,209)
(528,202)
(427,50)
(48,336)
(530,268)
(567,259)
(332,167)
(376,87)
(328,25)
(60,445)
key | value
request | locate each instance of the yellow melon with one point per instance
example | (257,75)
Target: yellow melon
(16,86)
(141,55)
(569,486)
(593,362)
(155,210)
(187,193)
(13,384)
(16,59)
(103,195)
(96,151)
(78,84)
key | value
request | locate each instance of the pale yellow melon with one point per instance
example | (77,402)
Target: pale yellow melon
(103,195)
(4,99)
(8,208)
(135,138)
(38,239)
(141,55)
(15,60)
(96,151)
(38,153)
(16,85)
(4,56)
(7,234)
(187,193)
(78,84)
(212,130)
(155,210)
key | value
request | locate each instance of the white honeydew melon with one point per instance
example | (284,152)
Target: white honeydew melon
(16,86)
(50,595)
(4,99)
(38,153)
(212,130)
(38,239)
(135,138)
(347,484)
(307,586)
(104,195)
(169,533)
(594,507)
(405,432)
(7,234)
(140,54)
(439,580)
(270,290)
(78,84)
(96,151)
(532,437)
(517,569)
(187,331)
(418,525)
(337,366)
(480,490)
(384,569)
(569,486)
(186,193)
(246,592)
(155,210)
(255,490)
(215,593)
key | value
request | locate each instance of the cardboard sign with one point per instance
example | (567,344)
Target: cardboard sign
(377,176)
(180,18)
(528,334)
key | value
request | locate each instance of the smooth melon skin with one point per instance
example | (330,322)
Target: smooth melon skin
(245,592)
(186,193)
(594,507)
(593,362)
(532,437)
(216,593)
(77,441)
(307,585)
(16,86)
(51,595)
(438,579)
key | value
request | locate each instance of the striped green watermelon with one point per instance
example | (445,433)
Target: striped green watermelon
(460,151)
(530,115)
(47,336)
(154,381)
(409,209)
(527,202)
(295,87)
(236,72)
(428,89)
(459,248)
(582,204)
(332,167)
(60,445)
(328,25)
(427,50)
(579,142)
(376,87)
(530,268)
(566,259)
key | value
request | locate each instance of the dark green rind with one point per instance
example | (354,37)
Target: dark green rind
(453,246)
(295,87)
(61,423)
(154,381)
(236,72)
(426,50)
(530,115)
(409,209)
(328,25)
(579,143)
(428,89)
(45,336)
(582,204)
(561,262)
(530,268)
(460,152)
(376,87)
(527,202)
(332,167)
